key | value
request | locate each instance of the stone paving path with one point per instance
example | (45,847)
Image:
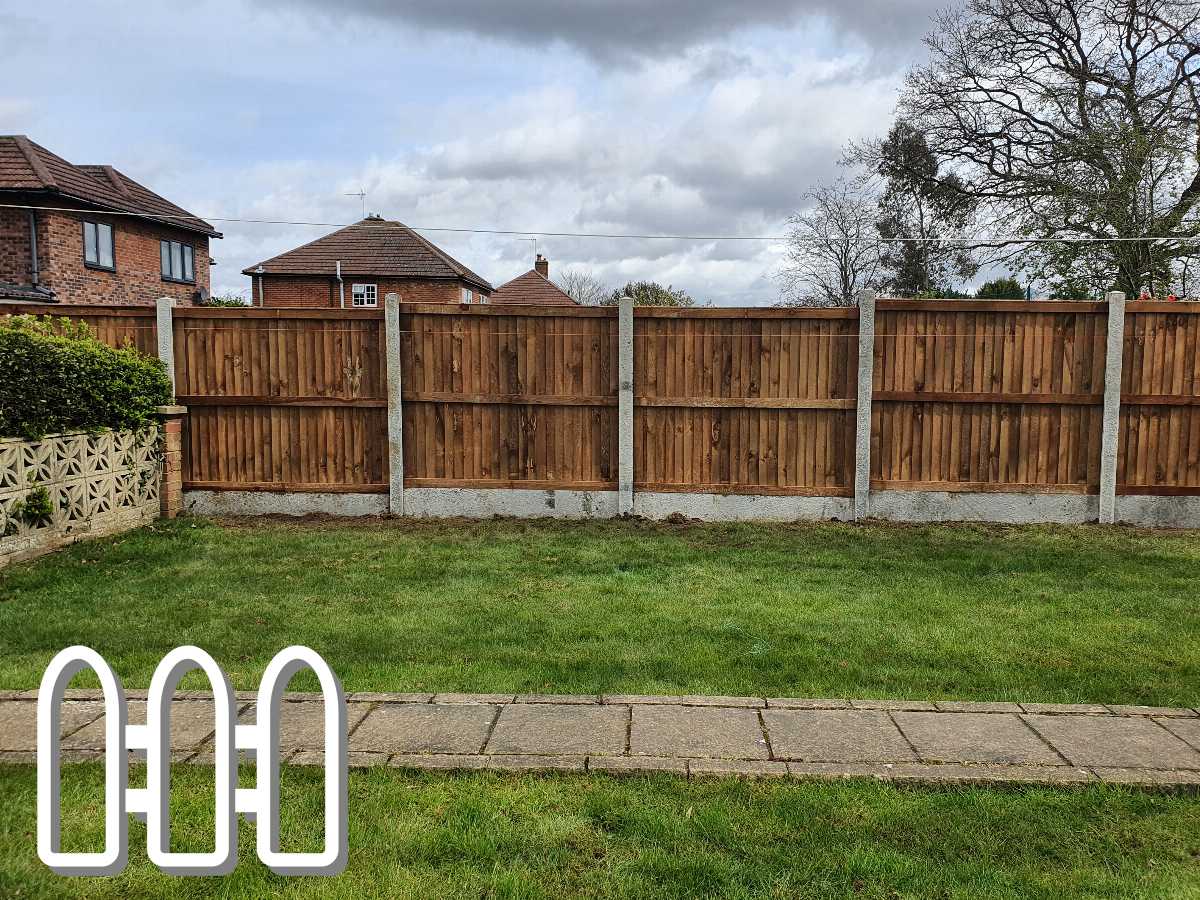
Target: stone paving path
(690,736)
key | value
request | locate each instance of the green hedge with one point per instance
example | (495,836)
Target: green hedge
(55,376)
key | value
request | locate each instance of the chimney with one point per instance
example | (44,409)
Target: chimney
(542,266)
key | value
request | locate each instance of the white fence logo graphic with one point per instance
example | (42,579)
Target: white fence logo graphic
(259,804)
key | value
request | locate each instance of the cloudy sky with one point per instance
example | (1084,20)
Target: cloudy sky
(617,116)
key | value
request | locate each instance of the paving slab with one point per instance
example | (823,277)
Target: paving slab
(741,768)
(438,761)
(355,759)
(893,705)
(834,735)
(535,728)
(384,697)
(1187,730)
(975,738)
(486,699)
(425,728)
(1170,712)
(1115,742)
(1163,777)
(302,724)
(968,706)
(560,699)
(620,765)
(523,763)
(806,703)
(18,721)
(1066,709)
(192,723)
(989,774)
(697,731)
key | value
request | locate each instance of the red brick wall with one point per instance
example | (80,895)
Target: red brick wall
(138,276)
(14,247)
(281,290)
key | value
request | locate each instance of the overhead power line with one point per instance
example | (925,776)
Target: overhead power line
(703,238)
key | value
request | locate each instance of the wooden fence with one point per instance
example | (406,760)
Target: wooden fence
(967,396)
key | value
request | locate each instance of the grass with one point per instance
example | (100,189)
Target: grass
(489,835)
(962,612)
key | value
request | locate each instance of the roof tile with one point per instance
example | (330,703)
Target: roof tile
(532,288)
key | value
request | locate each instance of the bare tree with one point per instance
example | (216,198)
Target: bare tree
(833,248)
(582,286)
(1071,119)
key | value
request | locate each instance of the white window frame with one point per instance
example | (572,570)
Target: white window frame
(364,296)
(467,295)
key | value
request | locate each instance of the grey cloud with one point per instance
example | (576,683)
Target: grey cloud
(611,31)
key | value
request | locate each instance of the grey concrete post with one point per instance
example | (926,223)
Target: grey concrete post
(166,336)
(395,415)
(1112,407)
(625,407)
(862,427)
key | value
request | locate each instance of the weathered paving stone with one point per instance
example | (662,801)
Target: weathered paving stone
(355,759)
(476,699)
(893,705)
(560,699)
(1115,742)
(1187,730)
(382,697)
(619,765)
(1066,709)
(713,732)
(970,706)
(838,771)
(192,722)
(1168,712)
(641,699)
(302,724)
(975,738)
(806,703)
(834,735)
(741,768)
(1147,776)
(541,729)
(18,721)
(425,728)
(438,761)
(522,763)
(747,702)
(989,774)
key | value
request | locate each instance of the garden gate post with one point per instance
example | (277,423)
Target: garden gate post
(166,337)
(1112,407)
(625,407)
(395,417)
(862,428)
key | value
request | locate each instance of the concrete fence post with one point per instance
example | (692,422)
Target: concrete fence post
(862,424)
(1112,407)
(625,407)
(395,414)
(166,336)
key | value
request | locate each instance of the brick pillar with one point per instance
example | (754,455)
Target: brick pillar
(170,491)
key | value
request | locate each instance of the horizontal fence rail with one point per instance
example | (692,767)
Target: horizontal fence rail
(965,396)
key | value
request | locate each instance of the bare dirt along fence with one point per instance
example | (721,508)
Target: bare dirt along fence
(752,412)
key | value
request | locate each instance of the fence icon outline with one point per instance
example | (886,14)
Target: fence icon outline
(152,803)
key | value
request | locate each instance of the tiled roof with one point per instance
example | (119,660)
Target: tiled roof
(532,288)
(372,247)
(26,166)
(26,292)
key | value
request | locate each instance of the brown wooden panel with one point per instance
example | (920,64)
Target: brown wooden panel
(117,326)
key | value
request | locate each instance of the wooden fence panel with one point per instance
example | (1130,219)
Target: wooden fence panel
(282,400)
(509,397)
(757,401)
(1159,438)
(117,326)
(1001,396)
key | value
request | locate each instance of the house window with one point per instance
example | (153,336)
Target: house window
(178,261)
(363,294)
(98,246)
(466,295)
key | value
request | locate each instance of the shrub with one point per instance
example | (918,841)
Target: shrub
(1001,289)
(55,376)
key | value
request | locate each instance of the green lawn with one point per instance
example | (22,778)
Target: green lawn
(970,612)
(487,835)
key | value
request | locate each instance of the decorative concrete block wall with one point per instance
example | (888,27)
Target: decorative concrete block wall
(95,484)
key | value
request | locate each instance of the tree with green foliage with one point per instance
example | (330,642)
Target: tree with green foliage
(650,293)
(921,214)
(1007,288)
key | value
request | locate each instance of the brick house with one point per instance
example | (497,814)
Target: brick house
(533,288)
(357,266)
(91,234)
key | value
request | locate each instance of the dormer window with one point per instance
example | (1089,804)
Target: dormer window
(98,246)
